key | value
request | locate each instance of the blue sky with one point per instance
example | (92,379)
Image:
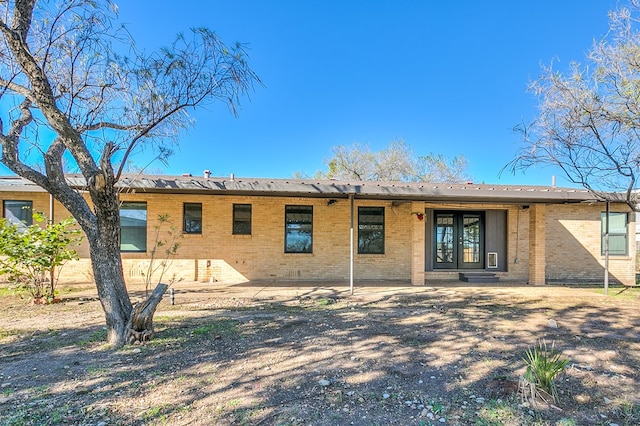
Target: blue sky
(448,77)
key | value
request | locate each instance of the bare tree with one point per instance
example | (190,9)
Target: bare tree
(82,93)
(439,169)
(397,162)
(588,122)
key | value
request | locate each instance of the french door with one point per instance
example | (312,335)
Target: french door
(458,240)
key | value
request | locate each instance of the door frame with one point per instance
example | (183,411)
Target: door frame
(458,243)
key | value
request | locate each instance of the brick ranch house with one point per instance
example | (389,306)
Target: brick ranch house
(304,230)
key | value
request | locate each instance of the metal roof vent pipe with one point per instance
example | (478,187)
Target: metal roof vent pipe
(553,181)
(232,177)
(207,174)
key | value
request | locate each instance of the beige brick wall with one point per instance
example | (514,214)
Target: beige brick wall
(74,271)
(40,200)
(571,242)
(537,244)
(218,254)
(418,244)
(574,245)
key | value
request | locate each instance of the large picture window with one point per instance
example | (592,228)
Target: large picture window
(371,230)
(617,233)
(242,219)
(133,227)
(192,218)
(19,213)
(298,229)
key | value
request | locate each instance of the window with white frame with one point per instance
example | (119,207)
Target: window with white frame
(617,233)
(133,227)
(18,212)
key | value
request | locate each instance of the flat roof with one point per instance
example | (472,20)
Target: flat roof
(399,191)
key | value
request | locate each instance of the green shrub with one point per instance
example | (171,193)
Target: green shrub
(30,255)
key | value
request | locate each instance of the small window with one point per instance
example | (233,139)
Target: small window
(192,218)
(617,233)
(133,227)
(371,230)
(298,229)
(19,213)
(242,219)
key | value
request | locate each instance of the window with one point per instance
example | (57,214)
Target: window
(18,212)
(370,230)
(617,233)
(242,219)
(298,229)
(192,214)
(133,227)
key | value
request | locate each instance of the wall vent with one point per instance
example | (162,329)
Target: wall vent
(293,273)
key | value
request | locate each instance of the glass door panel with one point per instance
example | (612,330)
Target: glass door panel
(472,241)
(459,240)
(445,241)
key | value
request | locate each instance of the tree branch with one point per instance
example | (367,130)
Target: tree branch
(22,17)
(144,132)
(42,92)
(16,88)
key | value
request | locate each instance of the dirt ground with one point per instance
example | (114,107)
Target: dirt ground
(264,355)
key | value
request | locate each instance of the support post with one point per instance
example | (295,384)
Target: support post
(606,249)
(351,245)
(537,244)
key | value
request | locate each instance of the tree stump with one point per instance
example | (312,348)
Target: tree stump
(141,322)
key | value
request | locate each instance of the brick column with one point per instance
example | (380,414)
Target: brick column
(417,244)
(537,247)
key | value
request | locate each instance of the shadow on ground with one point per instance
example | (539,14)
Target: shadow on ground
(320,356)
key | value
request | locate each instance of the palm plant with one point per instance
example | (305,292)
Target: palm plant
(544,364)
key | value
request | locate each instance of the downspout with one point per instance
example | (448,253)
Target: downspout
(351,246)
(606,250)
(50,209)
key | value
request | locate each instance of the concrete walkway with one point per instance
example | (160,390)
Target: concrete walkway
(288,290)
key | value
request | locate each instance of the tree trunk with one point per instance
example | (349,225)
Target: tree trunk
(104,246)
(112,291)
(141,329)
(52,284)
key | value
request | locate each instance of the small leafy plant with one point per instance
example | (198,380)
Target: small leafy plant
(544,364)
(31,257)
(163,250)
